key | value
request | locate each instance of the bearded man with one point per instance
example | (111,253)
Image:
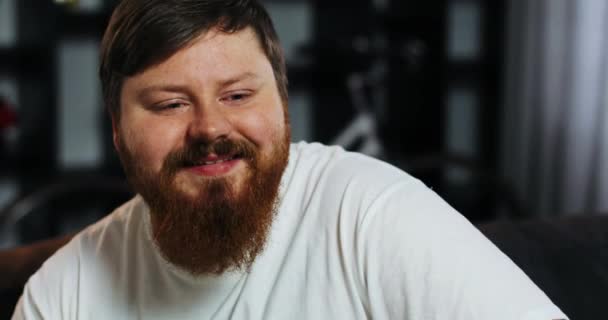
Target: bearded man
(231,221)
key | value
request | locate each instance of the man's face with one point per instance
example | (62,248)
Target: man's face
(203,138)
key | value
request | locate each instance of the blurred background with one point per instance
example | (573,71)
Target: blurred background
(499,106)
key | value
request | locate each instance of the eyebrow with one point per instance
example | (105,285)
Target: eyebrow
(153,88)
(238,78)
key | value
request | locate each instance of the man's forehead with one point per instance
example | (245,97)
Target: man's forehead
(218,45)
(211,37)
(216,57)
(247,33)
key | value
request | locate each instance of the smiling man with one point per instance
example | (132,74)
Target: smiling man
(204,139)
(231,221)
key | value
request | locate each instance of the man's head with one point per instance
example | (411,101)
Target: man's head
(142,33)
(197,94)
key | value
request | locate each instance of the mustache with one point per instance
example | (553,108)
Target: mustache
(192,153)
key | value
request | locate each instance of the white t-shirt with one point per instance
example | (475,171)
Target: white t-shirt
(354,238)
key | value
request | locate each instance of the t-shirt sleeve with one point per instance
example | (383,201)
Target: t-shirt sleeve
(51,293)
(420,259)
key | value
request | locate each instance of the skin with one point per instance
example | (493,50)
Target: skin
(221,86)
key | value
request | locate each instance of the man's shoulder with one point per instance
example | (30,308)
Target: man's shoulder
(55,288)
(114,225)
(336,167)
(102,235)
(331,182)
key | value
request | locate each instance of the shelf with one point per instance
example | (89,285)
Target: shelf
(82,24)
(24,60)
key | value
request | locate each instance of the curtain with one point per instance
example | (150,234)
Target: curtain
(554,130)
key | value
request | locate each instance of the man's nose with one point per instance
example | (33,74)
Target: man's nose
(209,123)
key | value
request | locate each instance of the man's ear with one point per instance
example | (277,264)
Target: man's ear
(115,132)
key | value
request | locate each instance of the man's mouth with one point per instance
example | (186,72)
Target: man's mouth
(214,159)
(214,165)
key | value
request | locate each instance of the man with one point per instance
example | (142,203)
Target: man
(232,221)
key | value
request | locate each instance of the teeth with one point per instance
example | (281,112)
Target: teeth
(217,161)
(214,162)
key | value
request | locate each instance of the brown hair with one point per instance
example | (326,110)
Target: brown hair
(142,33)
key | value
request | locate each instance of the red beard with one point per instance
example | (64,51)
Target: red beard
(221,228)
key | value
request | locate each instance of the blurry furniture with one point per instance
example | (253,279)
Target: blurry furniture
(56,212)
(566,257)
(481,194)
(63,206)
(18,264)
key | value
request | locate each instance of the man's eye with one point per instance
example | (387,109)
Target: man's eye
(236,97)
(172,105)
(239,96)
(168,107)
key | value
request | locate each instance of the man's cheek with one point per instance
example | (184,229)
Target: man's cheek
(262,130)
